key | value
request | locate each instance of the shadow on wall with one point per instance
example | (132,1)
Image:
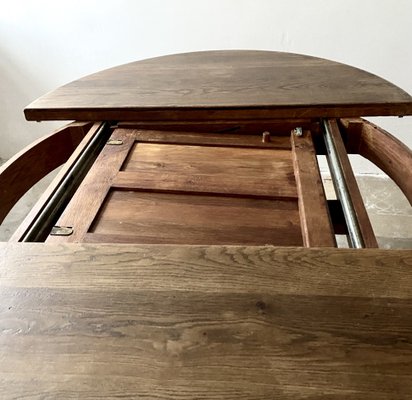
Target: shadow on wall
(18,87)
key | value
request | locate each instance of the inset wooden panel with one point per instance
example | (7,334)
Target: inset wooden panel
(245,171)
(179,193)
(142,217)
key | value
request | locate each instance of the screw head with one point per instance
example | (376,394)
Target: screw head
(298,131)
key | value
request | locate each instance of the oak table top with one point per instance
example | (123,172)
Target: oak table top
(230,84)
(215,322)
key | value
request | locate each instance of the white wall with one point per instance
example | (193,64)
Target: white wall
(46,43)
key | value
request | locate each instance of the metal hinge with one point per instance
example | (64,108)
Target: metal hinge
(61,231)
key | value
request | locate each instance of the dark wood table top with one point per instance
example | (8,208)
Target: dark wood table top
(223,85)
(182,322)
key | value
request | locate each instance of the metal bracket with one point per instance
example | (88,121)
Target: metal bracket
(114,142)
(61,231)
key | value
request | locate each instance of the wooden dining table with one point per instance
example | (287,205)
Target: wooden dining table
(186,249)
(112,321)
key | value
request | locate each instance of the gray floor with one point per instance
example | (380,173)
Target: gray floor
(388,209)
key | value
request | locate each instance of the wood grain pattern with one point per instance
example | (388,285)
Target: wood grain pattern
(210,139)
(315,221)
(192,219)
(362,217)
(223,85)
(85,203)
(277,187)
(178,322)
(241,171)
(35,161)
(383,149)
(186,194)
(19,233)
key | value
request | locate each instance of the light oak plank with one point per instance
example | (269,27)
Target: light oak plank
(80,321)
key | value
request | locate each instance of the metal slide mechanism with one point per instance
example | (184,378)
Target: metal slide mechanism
(65,190)
(335,166)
